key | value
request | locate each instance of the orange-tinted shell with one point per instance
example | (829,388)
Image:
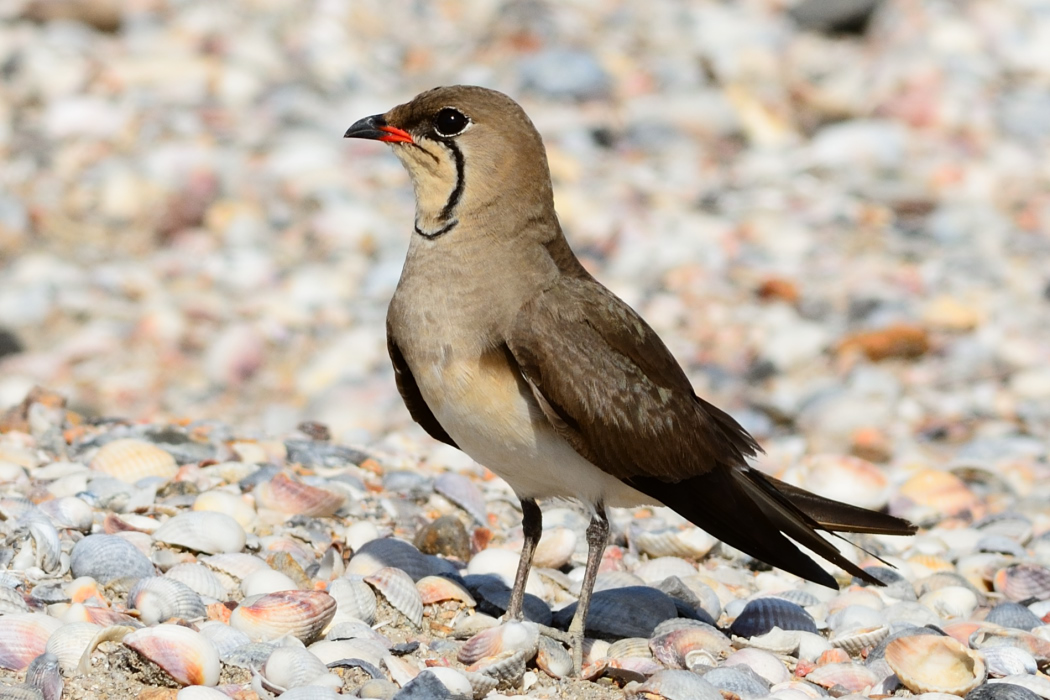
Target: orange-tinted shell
(285,495)
(933,664)
(130,460)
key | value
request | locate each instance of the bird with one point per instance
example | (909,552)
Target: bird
(504,346)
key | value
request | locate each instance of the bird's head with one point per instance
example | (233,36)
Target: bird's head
(472,153)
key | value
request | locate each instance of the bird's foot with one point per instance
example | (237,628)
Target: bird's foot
(555,634)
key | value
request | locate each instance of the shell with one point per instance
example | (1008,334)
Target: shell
(951,602)
(184,654)
(996,690)
(158,598)
(842,478)
(130,460)
(763,614)
(454,683)
(1039,685)
(354,599)
(437,589)
(688,646)
(108,558)
(44,675)
(378,553)
(942,493)
(292,667)
(555,548)
(1019,582)
(302,614)
(509,637)
(23,637)
(202,531)
(227,502)
(656,570)
(400,591)
(267,581)
(461,491)
(223,637)
(311,692)
(1015,615)
(674,684)
(234,564)
(198,578)
(69,642)
(737,681)
(634,611)
(251,655)
(1007,661)
(630,647)
(11,601)
(286,495)
(763,663)
(850,676)
(552,658)
(854,641)
(507,667)
(691,542)
(932,664)
(365,649)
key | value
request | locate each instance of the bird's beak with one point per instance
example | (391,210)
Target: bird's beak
(376,128)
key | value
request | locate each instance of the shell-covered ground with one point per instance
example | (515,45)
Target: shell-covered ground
(839,225)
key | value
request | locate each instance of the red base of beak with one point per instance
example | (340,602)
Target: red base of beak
(395,135)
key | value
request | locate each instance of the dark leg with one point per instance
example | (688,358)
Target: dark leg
(532,524)
(597,536)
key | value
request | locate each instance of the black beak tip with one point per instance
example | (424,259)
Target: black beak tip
(367,128)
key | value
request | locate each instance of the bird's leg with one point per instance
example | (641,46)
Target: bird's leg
(597,536)
(532,525)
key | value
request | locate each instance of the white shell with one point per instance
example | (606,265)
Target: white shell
(400,591)
(302,614)
(23,637)
(200,579)
(158,598)
(555,548)
(70,641)
(231,504)
(292,667)
(355,599)
(268,581)
(202,531)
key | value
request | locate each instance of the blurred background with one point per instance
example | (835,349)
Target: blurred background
(836,212)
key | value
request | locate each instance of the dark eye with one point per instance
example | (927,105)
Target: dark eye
(449,122)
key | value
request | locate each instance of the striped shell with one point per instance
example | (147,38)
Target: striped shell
(69,642)
(293,667)
(691,543)
(462,492)
(509,637)
(107,558)
(1019,582)
(158,598)
(763,614)
(285,495)
(302,614)
(198,578)
(934,664)
(130,460)
(400,591)
(184,654)
(354,599)
(23,637)
(202,531)
(684,647)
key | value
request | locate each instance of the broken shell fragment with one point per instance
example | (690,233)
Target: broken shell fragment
(184,654)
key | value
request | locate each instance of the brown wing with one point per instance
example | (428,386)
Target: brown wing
(410,394)
(612,389)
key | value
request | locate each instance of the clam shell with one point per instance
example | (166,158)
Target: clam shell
(931,664)
(656,570)
(184,654)
(690,543)
(1015,615)
(108,558)
(738,681)
(634,611)
(311,692)
(378,553)
(1038,685)
(854,641)
(507,668)
(158,598)
(437,589)
(286,495)
(69,642)
(23,637)
(1019,582)
(951,602)
(842,478)
(461,491)
(251,655)
(237,565)
(850,676)
(202,531)
(1008,661)
(223,637)
(267,581)
(629,646)
(763,663)
(365,649)
(227,502)
(763,614)
(993,690)
(354,599)
(400,591)
(688,646)
(552,658)
(131,459)
(198,578)
(674,684)
(509,637)
(292,667)
(555,548)
(44,675)
(11,601)
(302,614)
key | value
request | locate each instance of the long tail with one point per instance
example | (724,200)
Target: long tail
(753,512)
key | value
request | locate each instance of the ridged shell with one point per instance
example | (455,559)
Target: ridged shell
(763,663)
(931,664)
(1040,685)
(69,642)
(23,637)
(1015,615)
(388,551)
(951,602)
(44,674)
(108,558)
(657,569)
(158,598)
(851,676)
(286,495)
(462,492)
(854,641)
(198,578)
(365,649)
(202,531)
(69,512)
(11,601)
(674,684)
(763,614)
(1019,582)
(629,646)
(354,599)
(130,460)
(634,611)
(994,690)
(237,565)
(251,655)
(268,581)
(232,504)
(400,591)
(292,667)
(1008,661)
(507,667)
(738,681)
(437,589)
(685,647)
(184,654)
(508,637)
(691,543)
(552,658)
(302,614)
(223,637)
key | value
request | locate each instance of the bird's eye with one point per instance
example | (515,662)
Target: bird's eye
(449,122)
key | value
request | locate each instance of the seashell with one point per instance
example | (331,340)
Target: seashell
(951,602)
(503,563)
(437,589)
(509,637)
(810,646)
(688,646)
(184,654)
(854,641)
(202,531)
(445,536)
(481,684)
(941,493)
(356,629)
(360,533)
(689,543)
(991,635)
(311,692)
(69,642)
(200,692)
(997,690)
(365,649)
(552,658)
(852,677)
(293,667)
(799,597)
(1019,582)
(130,460)
(507,667)
(198,578)
(302,614)
(894,585)
(555,548)
(223,637)
(251,656)
(44,675)
(634,611)
(462,492)
(608,580)
(842,478)
(656,570)
(378,553)
(108,558)
(11,601)
(234,564)
(354,599)
(628,647)
(23,637)
(763,663)
(158,598)
(932,664)
(400,591)
(232,504)
(776,640)
(763,614)
(268,581)
(737,681)
(1016,526)
(453,682)
(1039,685)
(69,513)
(1007,661)
(674,684)
(1015,615)
(286,495)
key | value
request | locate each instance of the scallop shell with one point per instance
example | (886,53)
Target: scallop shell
(691,542)
(854,641)
(354,599)
(1008,661)
(998,690)
(1019,582)
(184,654)
(302,614)
(659,568)
(198,578)
(130,460)
(237,565)
(685,647)
(158,598)
(437,589)
(223,637)
(108,558)
(763,614)
(69,642)
(509,637)
(461,491)
(23,637)
(933,664)
(202,531)
(400,591)
(1015,615)
(674,684)
(634,611)
(763,663)
(850,676)
(44,675)
(285,495)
